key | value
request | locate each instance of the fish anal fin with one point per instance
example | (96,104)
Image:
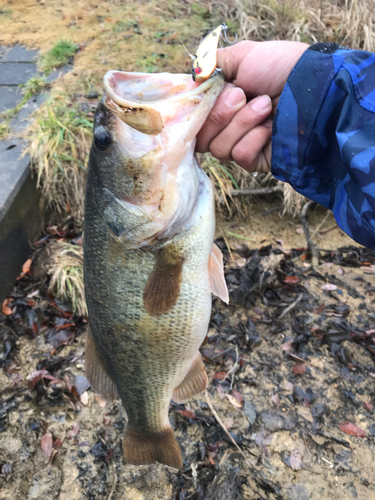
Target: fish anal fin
(142,448)
(194,382)
(164,283)
(216,274)
(96,372)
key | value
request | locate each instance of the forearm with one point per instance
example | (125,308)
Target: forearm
(324,135)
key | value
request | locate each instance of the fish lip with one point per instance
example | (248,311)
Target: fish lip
(201,88)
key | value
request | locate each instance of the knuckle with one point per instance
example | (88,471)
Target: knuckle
(219,117)
(242,155)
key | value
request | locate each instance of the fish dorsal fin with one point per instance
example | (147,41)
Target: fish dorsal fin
(96,372)
(216,274)
(163,285)
(194,382)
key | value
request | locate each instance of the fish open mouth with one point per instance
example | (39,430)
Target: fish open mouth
(147,101)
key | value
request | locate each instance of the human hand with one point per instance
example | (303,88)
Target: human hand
(239,130)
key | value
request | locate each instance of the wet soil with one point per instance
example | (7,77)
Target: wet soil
(291,364)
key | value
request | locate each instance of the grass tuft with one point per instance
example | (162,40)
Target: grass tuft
(59,55)
(60,139)
(63,264)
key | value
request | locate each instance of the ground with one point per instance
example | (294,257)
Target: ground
(291,386)
(291,360)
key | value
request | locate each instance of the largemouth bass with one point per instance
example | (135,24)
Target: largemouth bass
(149,260)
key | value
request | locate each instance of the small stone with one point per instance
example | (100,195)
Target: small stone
(273,422)
(290,420)
(297,492)
(319,410)
(250,411)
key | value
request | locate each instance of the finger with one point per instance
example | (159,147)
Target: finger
(246,153)
(253,114)
(231,100)
(229,58)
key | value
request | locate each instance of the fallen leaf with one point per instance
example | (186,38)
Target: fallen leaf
(238,396)
(221,391)
(233,401)
(100,401)
(84,398)
(263,438)
(288,345)
(73,431)
(329,287)
(81,384)
(289,386)
(299,369)
(291,280)
(352,429)
(58,442)
(368,406)
(187,413)
(228,423)
(26,266)
(6,309)
(295,459)
(220,375)
(275,399)
(46,444)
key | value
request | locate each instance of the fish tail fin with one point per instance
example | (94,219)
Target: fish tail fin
(142,448)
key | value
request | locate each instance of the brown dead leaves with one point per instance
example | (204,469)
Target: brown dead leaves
(6,309)
(352,429)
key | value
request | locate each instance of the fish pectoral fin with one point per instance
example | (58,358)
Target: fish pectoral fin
(96,372)
(216,274)
(142,448)
(193,384)
(164,283)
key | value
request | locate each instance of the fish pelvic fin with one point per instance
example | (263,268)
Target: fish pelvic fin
(216,274)
(164,283)
(96,372)
(142,448)
(194,383)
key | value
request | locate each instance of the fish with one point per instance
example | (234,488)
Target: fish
(150,262)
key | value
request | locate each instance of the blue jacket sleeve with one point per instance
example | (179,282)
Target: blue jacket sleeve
(323,141)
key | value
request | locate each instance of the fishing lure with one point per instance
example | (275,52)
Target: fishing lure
(205,58)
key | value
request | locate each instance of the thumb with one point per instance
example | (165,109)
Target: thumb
(230,58)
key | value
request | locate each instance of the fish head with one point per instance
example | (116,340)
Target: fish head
(145,129)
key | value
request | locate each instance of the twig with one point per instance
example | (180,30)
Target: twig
(255,192)
(293,304)
(328,462)
(310,244)
(220,422)
(114,484)
(233,370)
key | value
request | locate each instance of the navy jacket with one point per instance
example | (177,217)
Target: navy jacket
(323,141)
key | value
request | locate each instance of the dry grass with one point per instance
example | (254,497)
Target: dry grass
(145,36)
(60,140)
(62,262)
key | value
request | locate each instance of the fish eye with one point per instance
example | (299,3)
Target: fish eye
(103,140)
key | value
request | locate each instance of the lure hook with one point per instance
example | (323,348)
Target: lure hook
(224,35)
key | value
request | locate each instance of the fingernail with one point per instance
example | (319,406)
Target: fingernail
(261,103)
(268,123)
(234,96)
